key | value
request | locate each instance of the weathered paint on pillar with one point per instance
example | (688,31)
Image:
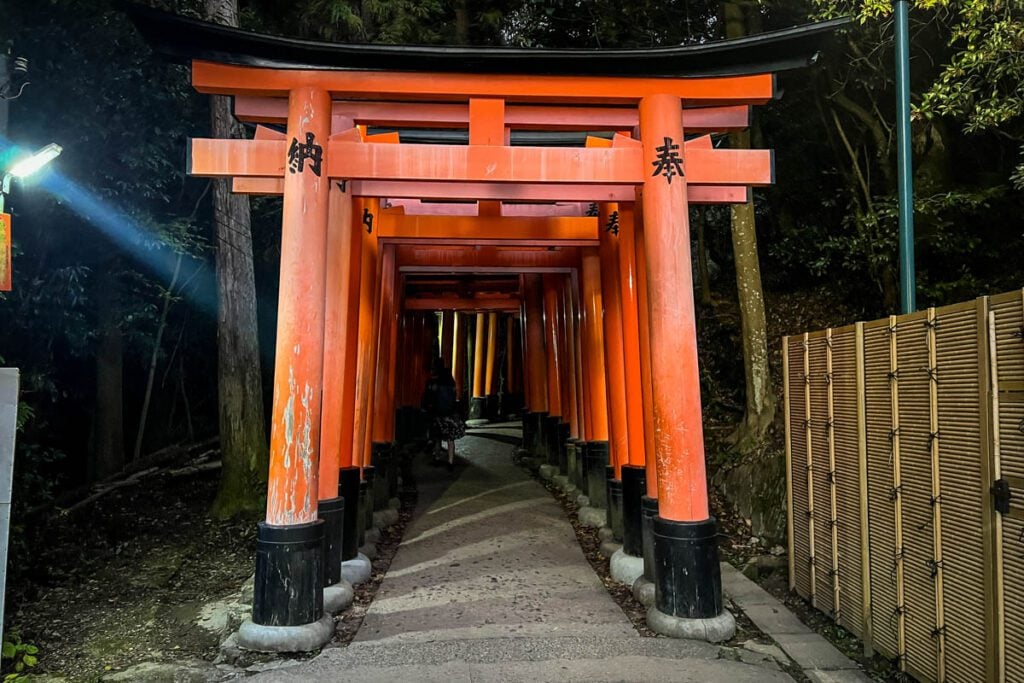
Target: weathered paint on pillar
(338,316)
(593,344)
(447,337)
(614,361)
(292,490)
(492,353)
(382,406)
(552,356)
(631,333)
(651,472)
(479,355)
(534,347)
(678,430)
(366,362)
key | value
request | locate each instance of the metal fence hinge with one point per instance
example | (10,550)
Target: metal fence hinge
(1001,496)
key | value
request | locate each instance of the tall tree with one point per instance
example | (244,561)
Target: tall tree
(760,396)
(240,386)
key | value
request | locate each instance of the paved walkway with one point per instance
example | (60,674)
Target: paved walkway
(490,584)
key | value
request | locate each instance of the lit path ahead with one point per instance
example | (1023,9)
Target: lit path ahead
(490,584)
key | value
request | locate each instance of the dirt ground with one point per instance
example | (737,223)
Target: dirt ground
(122,580)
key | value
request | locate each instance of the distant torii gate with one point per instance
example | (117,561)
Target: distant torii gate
(596,231)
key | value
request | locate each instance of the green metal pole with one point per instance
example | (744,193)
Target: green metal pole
(908,293)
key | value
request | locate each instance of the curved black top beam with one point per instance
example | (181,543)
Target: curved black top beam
(183,39)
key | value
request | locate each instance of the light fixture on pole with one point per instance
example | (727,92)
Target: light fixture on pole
(28,166)
(22,169)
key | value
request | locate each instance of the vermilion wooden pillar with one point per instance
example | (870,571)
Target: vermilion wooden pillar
(567,351)
(631,334)
(577,342)
(490,388)
(478,399)
(289,571)
(536,362)
(643,327)
(383,395)
(611,295)
(649,502)
(366,364)
(338,315)
(595,457)
(553,357)
(687,574)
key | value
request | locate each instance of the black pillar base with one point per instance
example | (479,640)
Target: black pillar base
(597,461)
(477,407)
(288,589)
(634,486)
(551,432)
(361,514)
(614,509)
(563,447)
(539,448)
(583,466)
(648,511)
(332,512)
(572,466)
(393,471)
(370,477)
(687,576)
(492,407)
(380,456)
(529,430)
(348,489)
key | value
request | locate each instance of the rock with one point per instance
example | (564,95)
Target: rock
(751,570)
(772,651)
(778,550)
(769,563)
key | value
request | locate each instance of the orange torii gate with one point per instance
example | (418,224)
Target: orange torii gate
(604,297)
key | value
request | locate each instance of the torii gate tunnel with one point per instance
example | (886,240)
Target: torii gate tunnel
(540,192)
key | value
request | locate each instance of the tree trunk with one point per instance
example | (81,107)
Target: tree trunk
(108,420)
(760,398)
(462,22)
(147,396)
(239,384)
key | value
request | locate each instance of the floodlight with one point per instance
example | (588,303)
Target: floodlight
(32,164)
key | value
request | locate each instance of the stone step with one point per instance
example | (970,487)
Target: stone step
(568,658)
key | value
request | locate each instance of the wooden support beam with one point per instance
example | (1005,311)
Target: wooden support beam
(451,163)
(453,303)
(525,192)
(518,117)
(570,230)
(224,79)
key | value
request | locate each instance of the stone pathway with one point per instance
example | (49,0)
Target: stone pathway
(490,584)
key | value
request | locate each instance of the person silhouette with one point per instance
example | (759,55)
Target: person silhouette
(440,403)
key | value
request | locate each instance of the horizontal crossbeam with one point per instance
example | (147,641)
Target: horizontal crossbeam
(427,259)
(497,164)
(542,231)
(274,110)
(459,304)
(524,192)
(223,79)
